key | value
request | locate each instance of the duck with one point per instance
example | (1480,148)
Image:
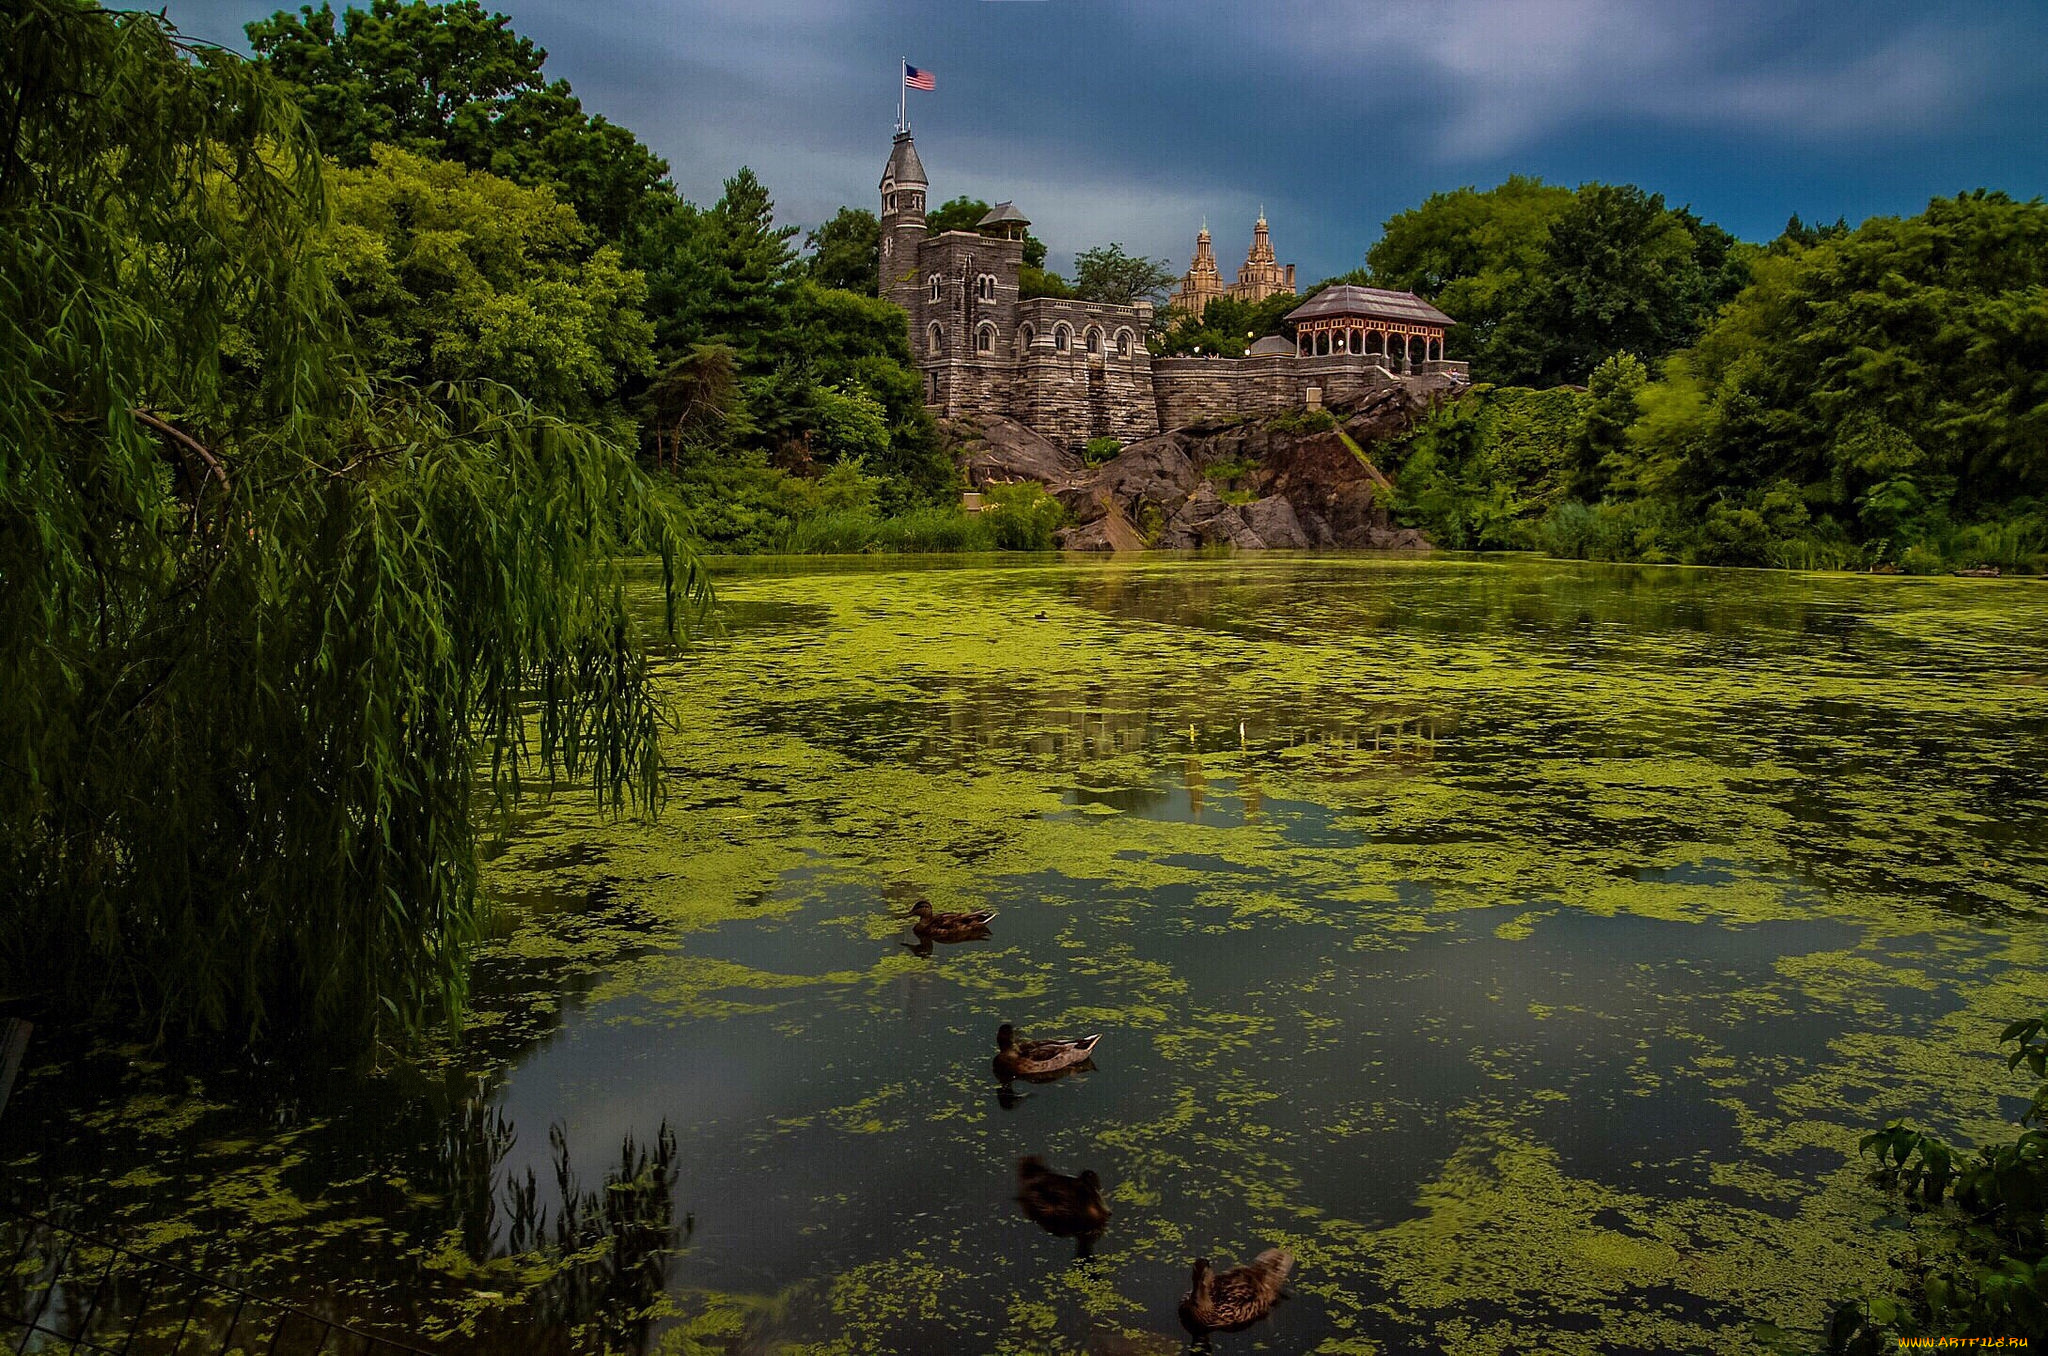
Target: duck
(1036,1059)
(1229,1300)
(948,927)
(1065,1207)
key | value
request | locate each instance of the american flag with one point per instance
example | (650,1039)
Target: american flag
(913,78)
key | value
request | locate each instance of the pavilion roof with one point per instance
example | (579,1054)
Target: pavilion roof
(1373,303)
(1004,214)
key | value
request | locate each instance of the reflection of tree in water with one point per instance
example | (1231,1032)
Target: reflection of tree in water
(587,1277)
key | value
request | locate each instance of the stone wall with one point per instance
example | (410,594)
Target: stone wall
(1068,394)
(1191,390)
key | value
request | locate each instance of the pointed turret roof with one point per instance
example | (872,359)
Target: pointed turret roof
(904,167)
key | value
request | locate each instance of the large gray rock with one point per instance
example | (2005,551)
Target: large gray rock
(1273,521)
(1153,472)
(995,450)
(1206,520)
(1110,532)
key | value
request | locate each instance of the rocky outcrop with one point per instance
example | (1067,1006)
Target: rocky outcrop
(1110,532)
(1291,486)
(1155,475)
(993,450)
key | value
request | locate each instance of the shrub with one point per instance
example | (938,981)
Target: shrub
(835,532)
(1023,517)
(1632,530)
(934,530)
(1308,421)
(2015,546)
(1099,450)
(1920,558)
(1989,1283)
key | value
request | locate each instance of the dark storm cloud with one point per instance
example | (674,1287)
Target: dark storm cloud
(1132,121)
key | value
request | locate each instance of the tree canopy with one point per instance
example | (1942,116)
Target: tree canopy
(846,251)
(1545,281)
(457,275)
(1875,396)
(452,81)
(1108,274)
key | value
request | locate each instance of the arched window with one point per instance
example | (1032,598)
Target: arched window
(935,341)
(1026,336)
(886,243)
(985,339)
(1094,340)
(985,287)
(933,283)
(1062,338)
(1123,343)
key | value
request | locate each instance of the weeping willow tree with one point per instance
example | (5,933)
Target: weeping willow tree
(273,638)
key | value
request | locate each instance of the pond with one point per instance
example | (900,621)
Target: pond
(1523,945)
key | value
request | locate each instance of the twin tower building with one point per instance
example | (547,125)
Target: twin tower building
(1076,370)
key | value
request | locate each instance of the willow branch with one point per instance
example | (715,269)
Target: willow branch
(190,444)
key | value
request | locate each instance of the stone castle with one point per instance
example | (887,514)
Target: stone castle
(1076,370)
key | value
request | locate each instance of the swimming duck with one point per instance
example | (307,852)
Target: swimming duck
(1034,1059)
(1065,1207)
(948,927)
(1229,1300)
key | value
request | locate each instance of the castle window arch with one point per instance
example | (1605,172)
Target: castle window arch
(985,339)
(1062,338)
(985,287)
(1094,342)
(935,340)
(1026,336)
(933,283)
(1124,343)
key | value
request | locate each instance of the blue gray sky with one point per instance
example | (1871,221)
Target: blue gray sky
(1133,120)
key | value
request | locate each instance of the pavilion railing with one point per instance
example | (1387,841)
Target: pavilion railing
(67,1290)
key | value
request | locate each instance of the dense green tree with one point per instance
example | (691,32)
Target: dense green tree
(452,81)
(1619,273)
(1545,282)
(263,624)
(1601,454)
(1039,282)
(845,251)
(1479,256)
(723,275)
(456,275)
(1109,275)
(1897,373)
(855,342)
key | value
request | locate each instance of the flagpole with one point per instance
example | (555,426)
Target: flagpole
(902,95)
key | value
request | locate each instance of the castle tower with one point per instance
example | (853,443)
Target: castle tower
(1262,275)
(1201,283)
(903,190)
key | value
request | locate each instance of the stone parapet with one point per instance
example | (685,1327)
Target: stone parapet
(1193,390)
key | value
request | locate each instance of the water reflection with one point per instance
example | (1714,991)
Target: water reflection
(1063,1206)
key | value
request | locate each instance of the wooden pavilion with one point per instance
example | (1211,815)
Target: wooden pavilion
(1399,327)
